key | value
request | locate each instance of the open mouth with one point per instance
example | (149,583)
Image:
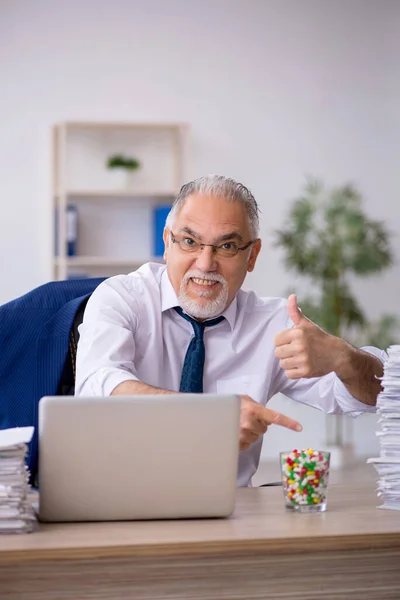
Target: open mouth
(204,283)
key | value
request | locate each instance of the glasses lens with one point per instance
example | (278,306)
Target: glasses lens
(227,252)
(189,245)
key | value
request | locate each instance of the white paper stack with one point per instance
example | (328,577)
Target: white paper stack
(388,409)
(16,512)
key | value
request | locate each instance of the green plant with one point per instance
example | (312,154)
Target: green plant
(119,161)
(328,239)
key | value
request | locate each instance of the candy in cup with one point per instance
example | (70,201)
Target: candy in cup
(305,476)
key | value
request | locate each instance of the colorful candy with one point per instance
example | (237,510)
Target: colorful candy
(305,478)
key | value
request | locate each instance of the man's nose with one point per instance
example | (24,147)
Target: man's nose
(205,260)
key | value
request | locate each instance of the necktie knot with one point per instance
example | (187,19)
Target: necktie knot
(199,326)
(193,366)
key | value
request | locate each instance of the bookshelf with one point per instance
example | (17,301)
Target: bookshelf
(114,211)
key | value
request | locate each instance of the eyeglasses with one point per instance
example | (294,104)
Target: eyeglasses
(224,250)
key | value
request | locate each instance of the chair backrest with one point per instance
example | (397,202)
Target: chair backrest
(35,337)
(66,386)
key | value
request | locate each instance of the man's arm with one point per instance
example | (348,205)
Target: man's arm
(254,418)
(107,348)
(307,351)
(359,371)
(135,388)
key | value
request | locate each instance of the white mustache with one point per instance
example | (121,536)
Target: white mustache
(206,276)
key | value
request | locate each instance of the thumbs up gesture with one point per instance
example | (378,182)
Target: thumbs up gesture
(306,350)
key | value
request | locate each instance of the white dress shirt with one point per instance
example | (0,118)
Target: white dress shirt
(131,332)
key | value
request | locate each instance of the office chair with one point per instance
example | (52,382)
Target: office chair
(66,386)
(37,343)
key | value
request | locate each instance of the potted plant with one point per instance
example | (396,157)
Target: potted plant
(121,167)
(328,239)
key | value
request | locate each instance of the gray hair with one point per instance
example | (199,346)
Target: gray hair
(217,185)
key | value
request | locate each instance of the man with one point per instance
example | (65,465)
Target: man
(134,341)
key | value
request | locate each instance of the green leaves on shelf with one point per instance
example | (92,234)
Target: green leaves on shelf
(119,161)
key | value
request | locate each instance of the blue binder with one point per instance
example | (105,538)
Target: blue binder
(160,214)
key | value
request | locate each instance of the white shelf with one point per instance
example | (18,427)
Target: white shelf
(123,125)
(115,214)
(93,194)
(103,261)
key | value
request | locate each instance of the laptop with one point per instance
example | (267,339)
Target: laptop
(137,457)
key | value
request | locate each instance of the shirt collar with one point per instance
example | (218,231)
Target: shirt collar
(230,312)
(169,299)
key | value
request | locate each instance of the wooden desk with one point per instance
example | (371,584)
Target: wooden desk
(351,552)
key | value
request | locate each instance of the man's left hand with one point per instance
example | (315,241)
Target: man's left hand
(306,350)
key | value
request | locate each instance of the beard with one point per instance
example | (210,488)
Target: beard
(200,309)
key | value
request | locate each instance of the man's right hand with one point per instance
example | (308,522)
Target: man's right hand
(255,420)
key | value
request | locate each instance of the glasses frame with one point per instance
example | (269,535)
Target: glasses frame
(215,247)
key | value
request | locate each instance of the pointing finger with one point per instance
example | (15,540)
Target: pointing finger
(272,417)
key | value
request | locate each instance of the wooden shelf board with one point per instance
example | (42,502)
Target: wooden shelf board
(122,125)
(102,261)
(93,194)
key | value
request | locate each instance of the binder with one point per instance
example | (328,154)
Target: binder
(160,215)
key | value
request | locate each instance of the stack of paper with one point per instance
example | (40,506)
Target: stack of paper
(16,512)
(388,408)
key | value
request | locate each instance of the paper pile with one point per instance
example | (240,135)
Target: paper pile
(388,409)
(16,512)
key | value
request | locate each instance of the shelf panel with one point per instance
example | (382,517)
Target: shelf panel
(93,194)
(102,261)
(122,125)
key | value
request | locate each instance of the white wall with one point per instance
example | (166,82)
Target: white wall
(273,90)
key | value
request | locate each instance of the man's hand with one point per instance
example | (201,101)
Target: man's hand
(255,420)
(306,350)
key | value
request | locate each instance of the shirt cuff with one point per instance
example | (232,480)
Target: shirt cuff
(107,381)
(346,401)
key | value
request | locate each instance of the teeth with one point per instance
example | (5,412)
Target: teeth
(203,281)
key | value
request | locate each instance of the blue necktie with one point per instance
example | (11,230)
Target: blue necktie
(193,366)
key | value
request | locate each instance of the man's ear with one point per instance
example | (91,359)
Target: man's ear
(166,238)
(255,250)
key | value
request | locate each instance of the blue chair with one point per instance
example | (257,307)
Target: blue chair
(38,334)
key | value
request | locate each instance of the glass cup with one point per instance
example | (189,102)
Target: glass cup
(305,475)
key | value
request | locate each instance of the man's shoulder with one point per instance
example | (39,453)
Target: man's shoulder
(252,301)
(264,307)
(147,276)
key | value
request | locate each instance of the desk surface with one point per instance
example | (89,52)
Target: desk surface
(260,523)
